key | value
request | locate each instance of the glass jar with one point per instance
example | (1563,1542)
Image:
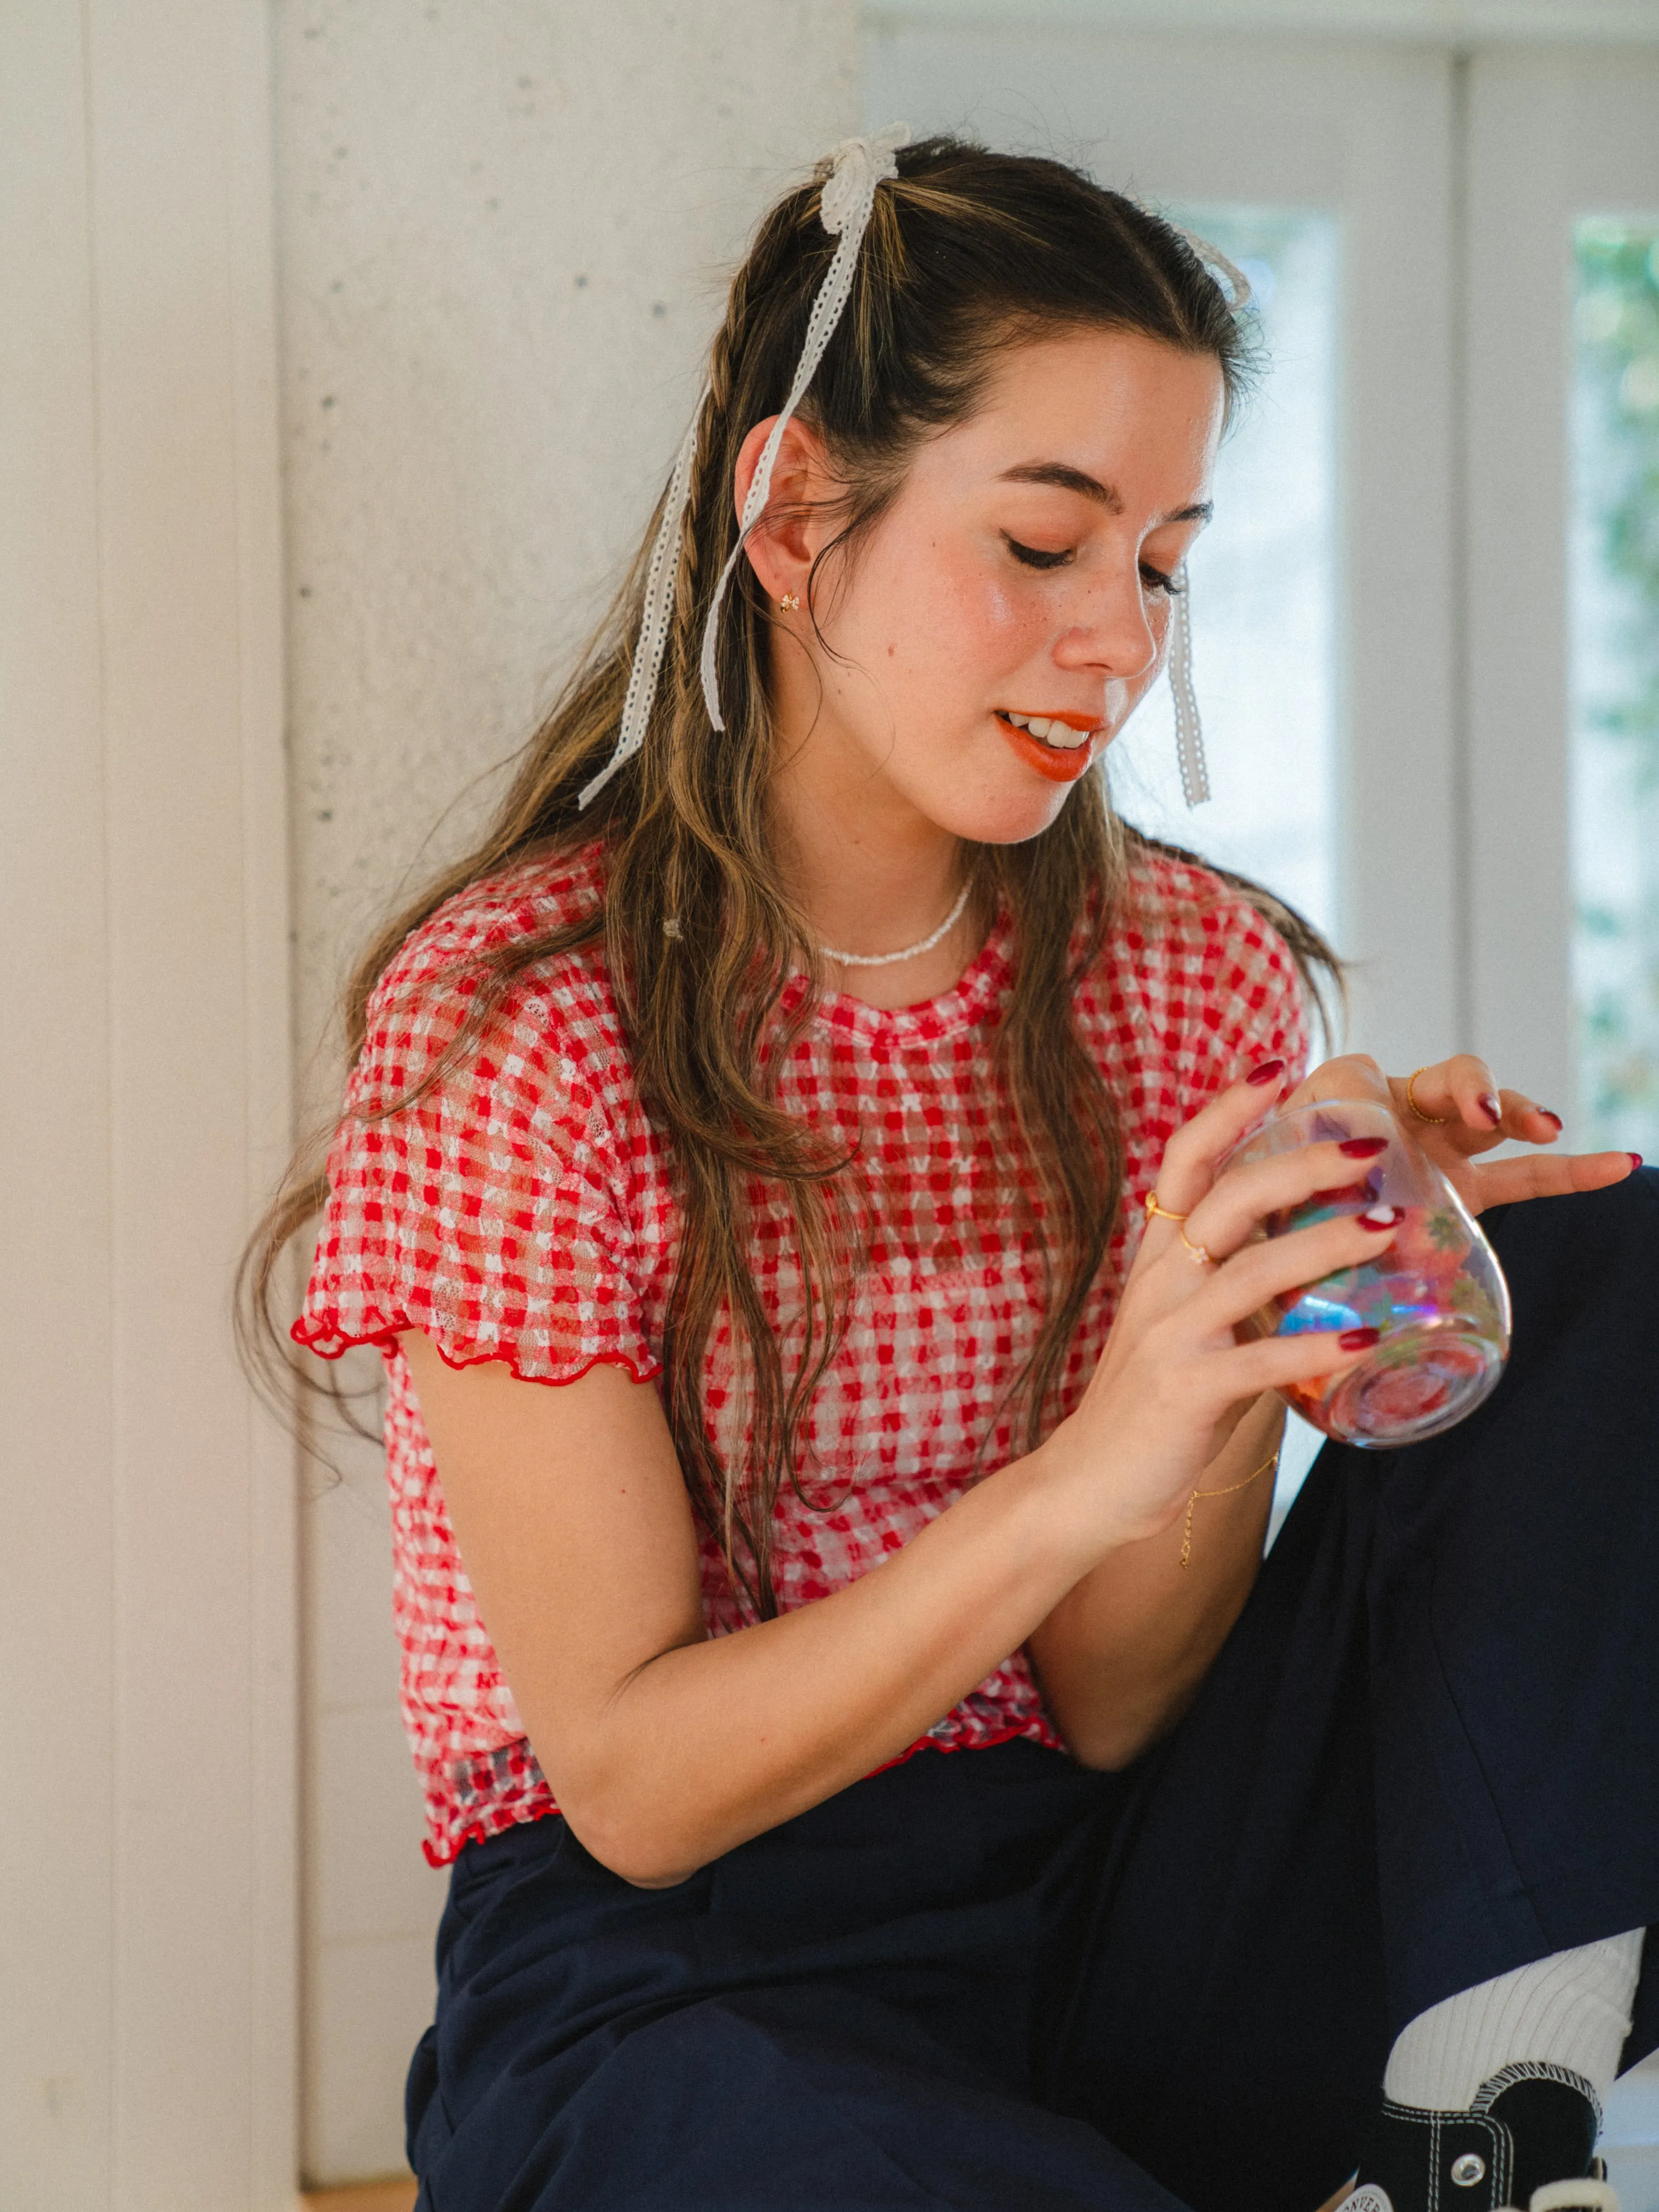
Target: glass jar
(1437,1293)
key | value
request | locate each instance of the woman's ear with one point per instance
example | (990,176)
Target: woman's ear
(781,552)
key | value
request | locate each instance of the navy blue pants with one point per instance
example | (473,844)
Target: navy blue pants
(990,1981)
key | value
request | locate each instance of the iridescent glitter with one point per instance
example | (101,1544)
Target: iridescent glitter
(1436,1295)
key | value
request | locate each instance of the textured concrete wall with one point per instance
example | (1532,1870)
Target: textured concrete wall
(505,227)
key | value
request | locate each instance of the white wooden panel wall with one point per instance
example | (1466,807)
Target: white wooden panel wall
(147,1563)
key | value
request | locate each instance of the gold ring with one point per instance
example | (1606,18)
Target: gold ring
(1161,1211)
(1435,1120)
(1196,1253)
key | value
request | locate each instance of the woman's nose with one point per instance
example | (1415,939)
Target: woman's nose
(1115,632)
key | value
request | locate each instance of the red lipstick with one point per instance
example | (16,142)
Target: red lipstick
(1053,763)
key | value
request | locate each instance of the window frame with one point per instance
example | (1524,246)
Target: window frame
(1553,135)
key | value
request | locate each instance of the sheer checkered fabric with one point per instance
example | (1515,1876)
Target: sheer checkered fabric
(519,1209)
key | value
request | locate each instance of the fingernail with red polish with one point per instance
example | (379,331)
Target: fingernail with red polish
(1359,1340)
(1362,1148)
(1636,1159)
(1266,1073)
(1379,1218)
(1490,1107)
(1548,1117)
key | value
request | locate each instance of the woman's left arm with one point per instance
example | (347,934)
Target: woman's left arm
(1122,1655)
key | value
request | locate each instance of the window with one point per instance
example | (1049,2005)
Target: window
(1613,583)
(1263,578)
(1323,593)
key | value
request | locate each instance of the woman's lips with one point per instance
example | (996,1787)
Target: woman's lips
(1057,763)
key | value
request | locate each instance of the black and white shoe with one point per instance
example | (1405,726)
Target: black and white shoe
(1528,2141)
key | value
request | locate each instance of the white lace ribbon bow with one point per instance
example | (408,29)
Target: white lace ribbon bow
(856,168)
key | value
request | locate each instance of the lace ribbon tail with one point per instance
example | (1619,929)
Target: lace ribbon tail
(1190,731)
(655,615)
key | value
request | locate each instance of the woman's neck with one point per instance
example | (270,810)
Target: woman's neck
(874,876)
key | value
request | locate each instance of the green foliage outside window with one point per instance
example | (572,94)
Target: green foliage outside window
(1615,568)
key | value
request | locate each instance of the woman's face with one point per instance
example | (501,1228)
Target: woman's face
(998,626)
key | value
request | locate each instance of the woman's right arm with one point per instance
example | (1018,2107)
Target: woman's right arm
(664,1747)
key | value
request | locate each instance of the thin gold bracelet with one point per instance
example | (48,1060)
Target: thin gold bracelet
(1186,1532)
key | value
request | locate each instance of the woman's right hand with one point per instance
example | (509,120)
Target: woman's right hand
(1175,1374)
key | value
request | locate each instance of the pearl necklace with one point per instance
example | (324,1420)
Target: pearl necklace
(910,951)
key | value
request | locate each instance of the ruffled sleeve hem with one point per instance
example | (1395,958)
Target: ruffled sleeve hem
(319,1334)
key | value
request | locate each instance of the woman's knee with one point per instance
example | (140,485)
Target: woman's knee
(1584,1276)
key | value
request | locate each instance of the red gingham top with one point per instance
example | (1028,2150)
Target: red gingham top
(521,1210)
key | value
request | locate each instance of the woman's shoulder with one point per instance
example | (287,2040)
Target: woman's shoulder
(1173,911)
(555,1008)
(513,905)
(1191,961)
(1176,898)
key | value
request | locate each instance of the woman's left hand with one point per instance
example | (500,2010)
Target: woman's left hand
(1470,1114)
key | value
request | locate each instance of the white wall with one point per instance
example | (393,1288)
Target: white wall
(146,1566)
(504,235)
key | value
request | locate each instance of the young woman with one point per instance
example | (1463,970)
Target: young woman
(878,1767)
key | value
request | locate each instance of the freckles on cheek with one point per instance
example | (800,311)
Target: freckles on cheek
(958,612)
(980,625)
(1016,616)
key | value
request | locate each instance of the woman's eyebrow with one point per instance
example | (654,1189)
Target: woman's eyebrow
(1064,478)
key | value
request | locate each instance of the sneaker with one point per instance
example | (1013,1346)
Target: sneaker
(1587,2196)
(1527,2139)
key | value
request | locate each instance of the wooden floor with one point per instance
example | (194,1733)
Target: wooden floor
(1635,2171)
(366,2197)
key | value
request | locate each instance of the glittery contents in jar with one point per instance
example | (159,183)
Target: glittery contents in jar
(1436,1295)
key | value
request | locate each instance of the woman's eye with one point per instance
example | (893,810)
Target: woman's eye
(1034,556)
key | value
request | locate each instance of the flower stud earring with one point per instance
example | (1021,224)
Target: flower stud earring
(790,603)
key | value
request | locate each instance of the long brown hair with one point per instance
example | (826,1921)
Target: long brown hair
(967,251)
